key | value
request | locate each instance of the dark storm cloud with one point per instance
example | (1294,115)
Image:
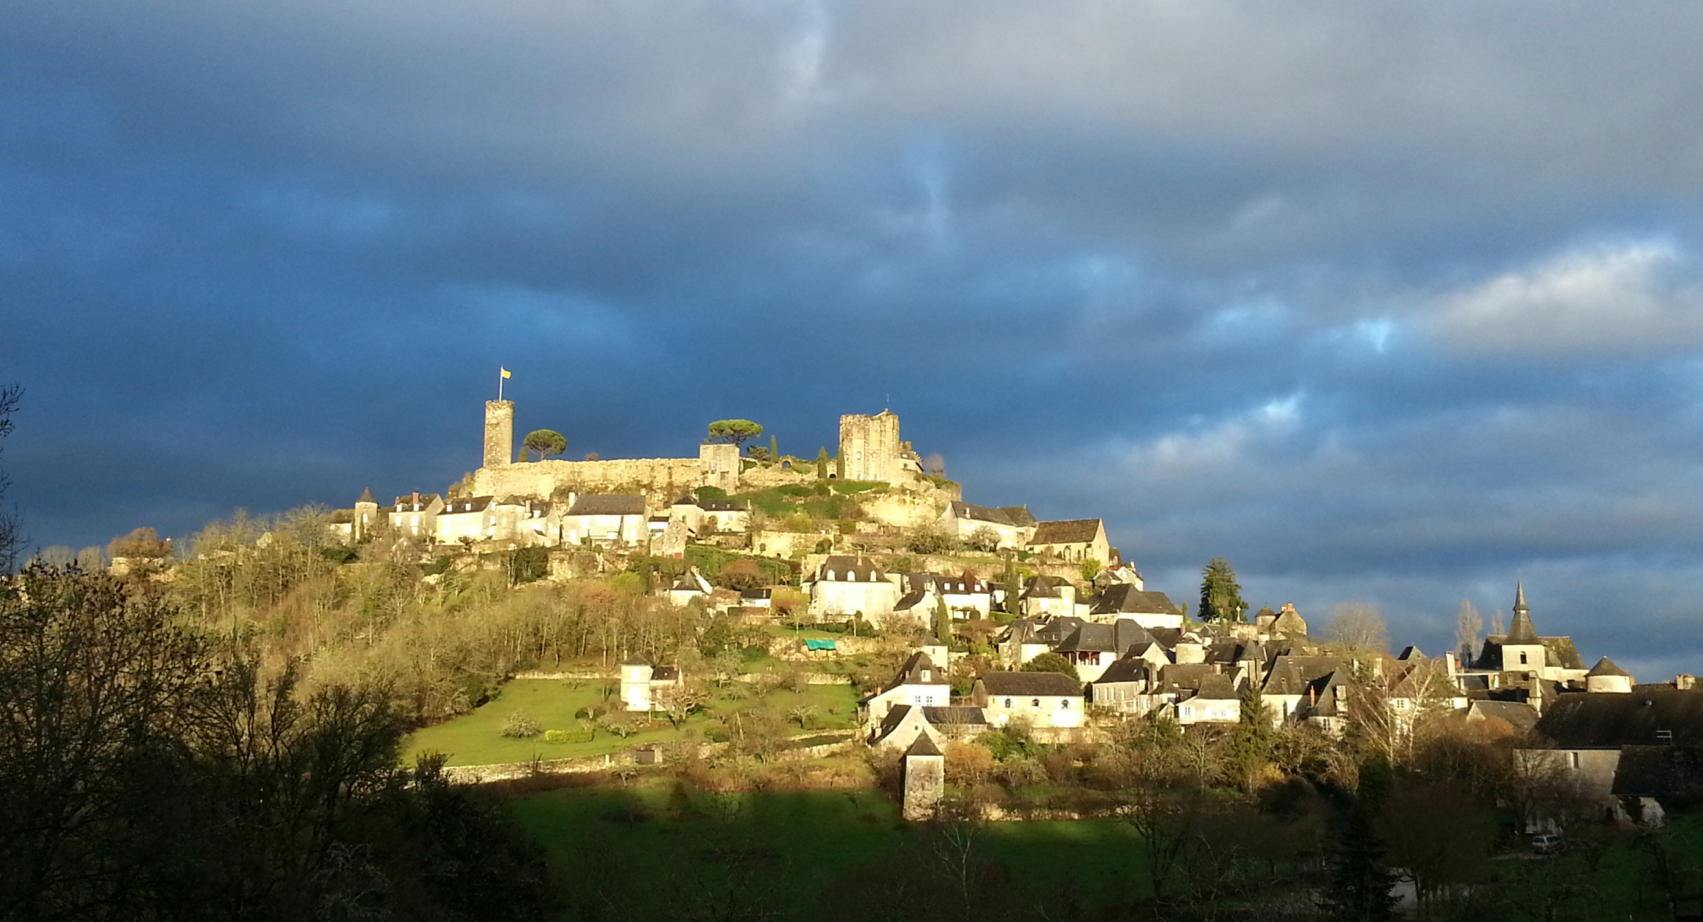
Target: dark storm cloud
(1393,303)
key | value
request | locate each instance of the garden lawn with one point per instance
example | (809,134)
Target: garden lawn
(475,738)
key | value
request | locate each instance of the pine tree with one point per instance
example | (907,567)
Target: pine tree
(1360,883)
(822,464)
(1249,747)
(1220,595)
(942,621)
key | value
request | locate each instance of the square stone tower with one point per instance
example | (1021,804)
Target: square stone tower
(925,778)
(870,446)
(718,466)
(499,433)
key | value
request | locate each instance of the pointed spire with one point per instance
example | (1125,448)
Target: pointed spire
(1521,631)
(366,496)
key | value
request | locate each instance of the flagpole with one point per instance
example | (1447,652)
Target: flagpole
(499,385)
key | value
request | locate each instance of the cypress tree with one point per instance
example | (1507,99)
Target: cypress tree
(942,621)
(821,464)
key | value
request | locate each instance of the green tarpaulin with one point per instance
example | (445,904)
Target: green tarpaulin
(818,645)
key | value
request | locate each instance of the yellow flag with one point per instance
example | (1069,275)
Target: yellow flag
(506,372)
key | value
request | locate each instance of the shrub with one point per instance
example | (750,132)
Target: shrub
(555,736)
(520,725)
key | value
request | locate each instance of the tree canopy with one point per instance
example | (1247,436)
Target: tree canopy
(1220,594)
(545,442)
(736,431)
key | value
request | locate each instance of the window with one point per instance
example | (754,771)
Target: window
(1064,704)
(925,675)
(1035,703)
(1573,758)
(1008,702)
(1522,659)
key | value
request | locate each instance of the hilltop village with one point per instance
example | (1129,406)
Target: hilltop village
(1072,640)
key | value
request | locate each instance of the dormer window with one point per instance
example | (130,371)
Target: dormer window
(830,574)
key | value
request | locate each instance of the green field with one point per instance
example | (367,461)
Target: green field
(474,738)
(656,851)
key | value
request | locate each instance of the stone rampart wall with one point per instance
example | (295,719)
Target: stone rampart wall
(662,480)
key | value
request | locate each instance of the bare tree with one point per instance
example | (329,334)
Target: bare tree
(10,536)
(1468,625)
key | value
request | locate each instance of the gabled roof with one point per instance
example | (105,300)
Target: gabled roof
(1029,683)
(850,568)
(954,715)
(1055,630)
(974,513)
(1583,721)
(1019,515)
(1127,669)
(1517,714)
(1044,587)
(1124,598)
(609,504)
(1066,531)
(466,504)
(910,600)
(1103,638)
(911,673)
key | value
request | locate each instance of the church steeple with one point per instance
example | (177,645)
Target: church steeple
(1521,632)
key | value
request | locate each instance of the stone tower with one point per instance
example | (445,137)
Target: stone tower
(870,446)
(366,515)
(499,432)
(925,778)
(718,465)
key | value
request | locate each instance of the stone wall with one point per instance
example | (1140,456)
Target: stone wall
(662,480)
(870,446)
(903,509)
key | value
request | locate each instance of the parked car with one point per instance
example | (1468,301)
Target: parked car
(1546,844)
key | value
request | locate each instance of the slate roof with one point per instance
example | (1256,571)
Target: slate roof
(1019,516)
(845,566)
(1126,669)
(910,600)
(1104,638)
(1055,630)
(467,504)
(1519,715)
(1606,666)
(1021,630)
(1066,531)
(924,746)
(609,504)
(954,715)
(1290,623)
(724,505)
(366,496)
(1559,651)
(1044,587)
(1124,598)
(1585,721)
(1290,675)
(1659,771)
(1030,683)
(911,673)
(975,513)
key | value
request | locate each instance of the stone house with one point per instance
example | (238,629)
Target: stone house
(415,515)
(1127,600)
(1129,686)
(642,679)
(1020,643)
(1043,699)
(1092,648)
(1211,698)
(919,682)
(608,519)
(849,585)
(1050,597)
(940,724)
(691,585)
(469,517)
(962,520)
(1585,737)
(1289,688)
(1071,540)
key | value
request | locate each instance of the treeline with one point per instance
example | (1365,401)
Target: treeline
(149,770)
(441,635)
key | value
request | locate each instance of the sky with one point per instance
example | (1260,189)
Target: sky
(1395,303)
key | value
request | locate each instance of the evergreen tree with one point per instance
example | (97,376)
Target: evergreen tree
(1360,883)
(774,449)
(840,466)
(1250,744)
(821,464)
(942,621)
(1220,595)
